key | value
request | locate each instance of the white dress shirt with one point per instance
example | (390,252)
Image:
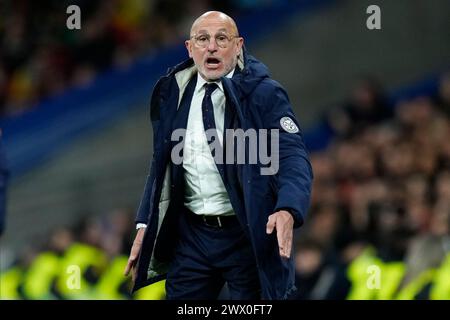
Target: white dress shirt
(205,192)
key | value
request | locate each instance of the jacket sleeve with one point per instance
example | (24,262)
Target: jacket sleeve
(150,184)
(294,176)
(144,206)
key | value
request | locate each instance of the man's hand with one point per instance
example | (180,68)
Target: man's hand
(283,222)
(137,244)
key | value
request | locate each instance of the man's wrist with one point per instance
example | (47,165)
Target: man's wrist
(285,209)
(289,210)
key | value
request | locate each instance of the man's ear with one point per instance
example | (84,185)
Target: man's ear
(239,45)
(187,43)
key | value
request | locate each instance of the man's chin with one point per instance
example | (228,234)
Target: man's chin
(213,75)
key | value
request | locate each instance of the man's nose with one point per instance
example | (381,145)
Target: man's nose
(212,46)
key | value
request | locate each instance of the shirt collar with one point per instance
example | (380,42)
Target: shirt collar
(201,82)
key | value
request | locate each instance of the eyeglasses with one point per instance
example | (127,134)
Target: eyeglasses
(203,40)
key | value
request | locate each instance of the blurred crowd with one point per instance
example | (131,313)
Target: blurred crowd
(97,247)
(384,184)
(40,57)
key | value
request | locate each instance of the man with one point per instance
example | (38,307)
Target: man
(203,222)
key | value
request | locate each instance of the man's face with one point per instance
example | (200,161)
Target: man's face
(212,60)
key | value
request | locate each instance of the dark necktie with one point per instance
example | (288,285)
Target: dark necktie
(207,107)
(209,123)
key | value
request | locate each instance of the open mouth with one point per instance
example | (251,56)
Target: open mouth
(212,62)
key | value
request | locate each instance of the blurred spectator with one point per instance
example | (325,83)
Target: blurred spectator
(317,275)
(117,231)
(367,106)
(60,239)
(89,231)
(425,254)
(443,96)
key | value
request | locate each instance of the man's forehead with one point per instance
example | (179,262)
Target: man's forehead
(213,24)
(212,30)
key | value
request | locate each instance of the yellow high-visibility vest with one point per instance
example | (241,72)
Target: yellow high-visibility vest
(410,291)
(441,282)
(358,276)
(368,268)
(10,281)
(41,274)
(112,279)
(155,291)
(392,274)
(77,259)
